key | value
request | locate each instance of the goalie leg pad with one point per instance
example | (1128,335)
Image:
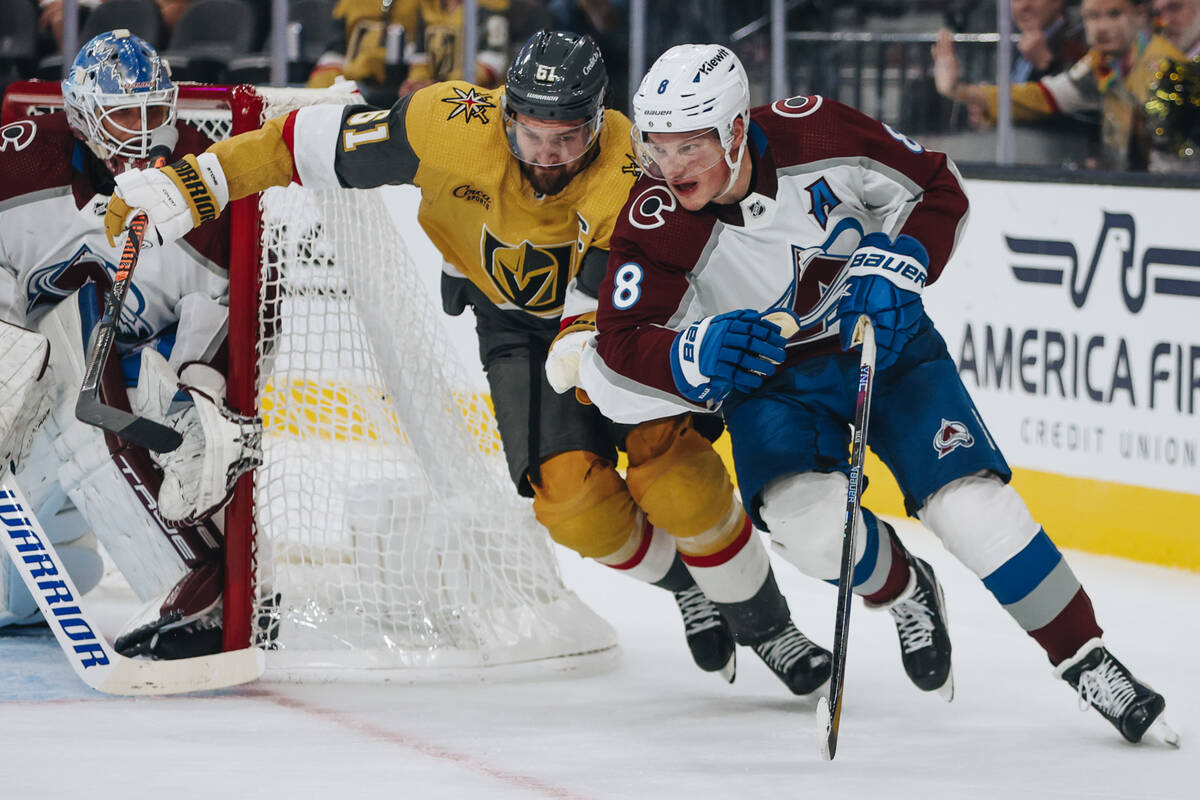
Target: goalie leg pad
(134,540)
(78,458)
(27,391)
(585,505)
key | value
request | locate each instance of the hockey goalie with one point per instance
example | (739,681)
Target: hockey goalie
(154,518)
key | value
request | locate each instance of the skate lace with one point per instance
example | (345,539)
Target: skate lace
(699,613)
(785,649)
(1107,688)
(914,621)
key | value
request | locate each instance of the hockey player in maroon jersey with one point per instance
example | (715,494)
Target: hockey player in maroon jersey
(519,191)
(807,207)
(56,175)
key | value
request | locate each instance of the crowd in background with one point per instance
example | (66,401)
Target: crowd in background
(919,65)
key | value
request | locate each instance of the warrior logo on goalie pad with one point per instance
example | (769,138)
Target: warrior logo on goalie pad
(531,276)
(951,435)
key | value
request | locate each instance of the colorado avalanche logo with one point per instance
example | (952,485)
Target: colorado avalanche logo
(53,282)
(647,210)
(17,135)
(951,435)
(796,107)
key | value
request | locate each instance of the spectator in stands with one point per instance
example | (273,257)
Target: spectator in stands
(432,30)
(435,49)
(171,11)
(1113,77)
(359,52)
(1049,42)
(50,18)
(1180,20)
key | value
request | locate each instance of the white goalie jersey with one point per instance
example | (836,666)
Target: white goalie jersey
(52,243)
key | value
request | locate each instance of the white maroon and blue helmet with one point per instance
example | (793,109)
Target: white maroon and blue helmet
(692,87)
(118,95)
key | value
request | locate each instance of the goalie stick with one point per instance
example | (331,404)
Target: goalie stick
(92,658)
(829,711)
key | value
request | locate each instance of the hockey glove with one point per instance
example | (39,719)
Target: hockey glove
(562,362)
(176,198)
(885,283)
(218,444)
(717,355)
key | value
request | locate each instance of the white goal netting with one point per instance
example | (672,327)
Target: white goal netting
(388,534)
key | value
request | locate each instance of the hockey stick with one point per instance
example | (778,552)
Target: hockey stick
(829,711)
(88,408)
(93,660)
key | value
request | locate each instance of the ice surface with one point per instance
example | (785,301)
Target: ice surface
(652,727)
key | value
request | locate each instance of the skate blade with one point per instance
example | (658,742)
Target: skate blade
(729,671)
(946,690)
(1163,732)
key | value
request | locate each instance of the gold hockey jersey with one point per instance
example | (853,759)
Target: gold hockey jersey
(519,248)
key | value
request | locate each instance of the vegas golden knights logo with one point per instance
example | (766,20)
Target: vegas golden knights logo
(530,276)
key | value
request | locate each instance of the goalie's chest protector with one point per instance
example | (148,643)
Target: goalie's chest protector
(519,248)
(52,237)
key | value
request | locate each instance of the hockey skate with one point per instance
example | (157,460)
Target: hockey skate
(708,634)
(800,663)
(920,616)
(185,625)
(1106,685)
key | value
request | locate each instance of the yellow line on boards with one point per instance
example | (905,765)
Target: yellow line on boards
(1150,525)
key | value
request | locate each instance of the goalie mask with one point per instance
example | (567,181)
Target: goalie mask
(691,87)
(557,77)
(118,94)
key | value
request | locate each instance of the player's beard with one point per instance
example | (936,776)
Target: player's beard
(550,180)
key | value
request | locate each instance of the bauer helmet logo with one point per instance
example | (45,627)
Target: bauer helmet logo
(950,436)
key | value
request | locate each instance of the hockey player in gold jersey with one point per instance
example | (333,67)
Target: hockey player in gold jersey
(520,190)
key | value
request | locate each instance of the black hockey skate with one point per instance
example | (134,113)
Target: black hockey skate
(920,616)
(1106,685)
(708,634)
(800,663)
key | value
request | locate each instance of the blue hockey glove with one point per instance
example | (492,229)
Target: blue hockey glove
(885,283)
(716,355)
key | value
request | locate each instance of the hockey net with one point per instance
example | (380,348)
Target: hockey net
(382,532)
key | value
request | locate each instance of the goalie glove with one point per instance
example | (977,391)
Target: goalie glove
(218,446)
(27,391)
(176,198)
(562,362)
